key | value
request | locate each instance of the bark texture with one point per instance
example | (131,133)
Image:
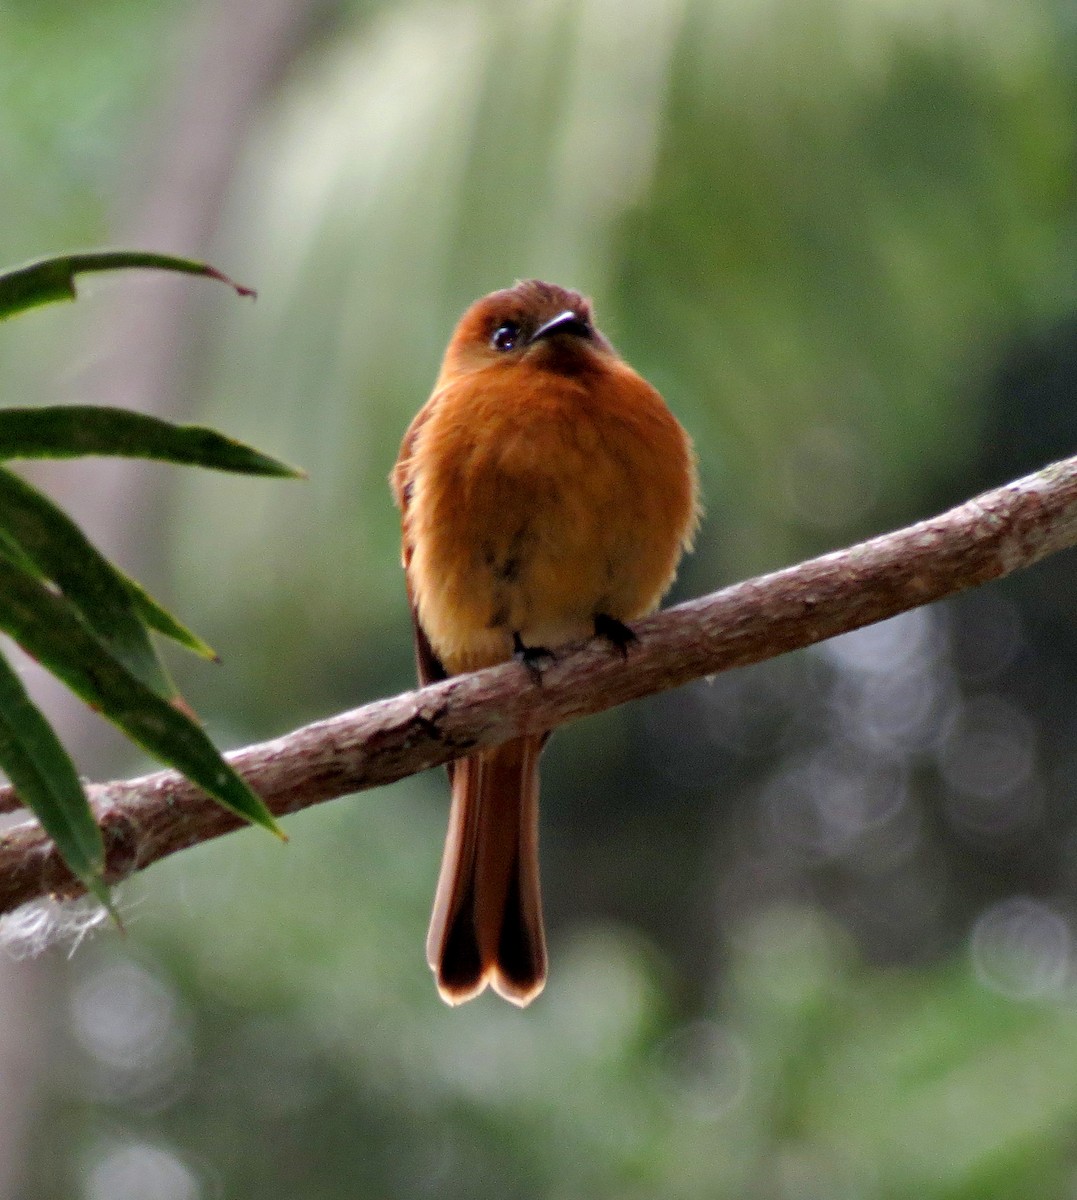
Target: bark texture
(145,819)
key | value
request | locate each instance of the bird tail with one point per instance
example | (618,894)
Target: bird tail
(487,922)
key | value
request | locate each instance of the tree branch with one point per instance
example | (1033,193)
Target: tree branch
(986,538)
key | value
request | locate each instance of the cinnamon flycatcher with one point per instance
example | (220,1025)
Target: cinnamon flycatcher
(546,494)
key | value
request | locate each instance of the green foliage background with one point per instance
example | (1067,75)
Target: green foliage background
(812,925)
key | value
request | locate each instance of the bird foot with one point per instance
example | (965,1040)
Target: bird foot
(619,636)
(534,658)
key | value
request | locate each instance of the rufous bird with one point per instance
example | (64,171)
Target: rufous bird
(547,494)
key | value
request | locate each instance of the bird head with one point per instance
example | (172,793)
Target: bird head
(540,324)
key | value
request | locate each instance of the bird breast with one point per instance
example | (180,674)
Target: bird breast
(536,503)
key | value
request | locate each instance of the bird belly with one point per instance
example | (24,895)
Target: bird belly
(535,531)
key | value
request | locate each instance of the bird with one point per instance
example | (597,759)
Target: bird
(546,494)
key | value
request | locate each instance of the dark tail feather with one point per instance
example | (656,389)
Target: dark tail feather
(487,921)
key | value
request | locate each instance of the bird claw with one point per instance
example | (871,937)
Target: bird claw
(619,636)
(534,658)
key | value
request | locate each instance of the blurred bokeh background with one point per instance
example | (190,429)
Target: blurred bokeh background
(812,923)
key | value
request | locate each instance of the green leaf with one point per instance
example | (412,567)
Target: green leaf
(158,617)
(61,553)
(70,431)
(51,279)
(13,552)
(46,627)
(46,780)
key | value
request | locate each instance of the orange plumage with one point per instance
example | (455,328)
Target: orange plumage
(547,494)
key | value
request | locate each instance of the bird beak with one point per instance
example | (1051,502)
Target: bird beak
(565,322)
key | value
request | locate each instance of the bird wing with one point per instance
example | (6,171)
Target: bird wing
(429,667)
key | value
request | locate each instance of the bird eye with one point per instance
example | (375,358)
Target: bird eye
(505,336)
